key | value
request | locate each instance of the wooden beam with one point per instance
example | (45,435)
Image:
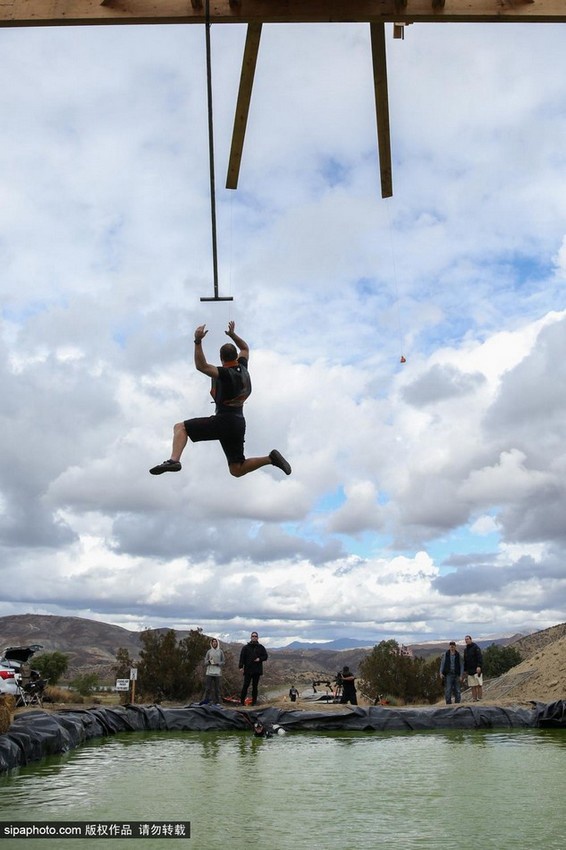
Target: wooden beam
(35,13)
(379,61)
(243,105)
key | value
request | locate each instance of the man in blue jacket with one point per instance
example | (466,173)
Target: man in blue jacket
(451,673)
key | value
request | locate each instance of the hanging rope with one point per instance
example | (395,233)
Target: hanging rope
(402,358)
(216,296)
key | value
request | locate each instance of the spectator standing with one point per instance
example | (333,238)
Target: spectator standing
(252,656)
(451,673)
(348,687)
(214,662)
(473,668)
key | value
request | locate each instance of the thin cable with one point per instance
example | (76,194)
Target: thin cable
(395,286)
(211,151)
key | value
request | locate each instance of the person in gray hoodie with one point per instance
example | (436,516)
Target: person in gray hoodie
(213,662)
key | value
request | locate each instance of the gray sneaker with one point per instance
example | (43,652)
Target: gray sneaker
(166,466)
(279,461)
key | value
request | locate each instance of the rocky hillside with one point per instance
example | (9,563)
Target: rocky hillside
(540,677)
(531,644)
(87,642)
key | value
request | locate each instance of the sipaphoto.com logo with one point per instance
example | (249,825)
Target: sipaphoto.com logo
(41,830)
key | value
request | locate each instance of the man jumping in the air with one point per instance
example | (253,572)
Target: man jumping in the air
(231,386)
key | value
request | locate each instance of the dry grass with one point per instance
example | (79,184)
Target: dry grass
(53,694)
(7,706)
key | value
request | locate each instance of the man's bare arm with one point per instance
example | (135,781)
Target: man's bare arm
(200,359)
(241,343)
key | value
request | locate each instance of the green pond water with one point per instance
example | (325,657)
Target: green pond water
(344,790)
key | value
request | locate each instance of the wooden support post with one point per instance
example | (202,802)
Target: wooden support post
(243,105)
(379,59)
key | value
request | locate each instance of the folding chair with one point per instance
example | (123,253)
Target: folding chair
(30,691)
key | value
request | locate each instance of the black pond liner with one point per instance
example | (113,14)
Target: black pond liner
(36,734)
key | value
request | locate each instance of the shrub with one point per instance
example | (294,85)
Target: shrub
(497,660)
(388,670)
(85,684)
(169,669)
(51,665)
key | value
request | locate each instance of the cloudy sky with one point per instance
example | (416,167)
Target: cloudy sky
(428,499)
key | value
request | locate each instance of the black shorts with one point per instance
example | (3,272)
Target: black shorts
(228,428)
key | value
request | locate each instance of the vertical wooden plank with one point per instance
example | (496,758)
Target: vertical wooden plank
(243,105)
(379,60)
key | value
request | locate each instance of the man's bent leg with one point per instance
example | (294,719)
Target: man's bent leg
(231,432)
(240,468)
(179,442)
(180,439)
(274,458)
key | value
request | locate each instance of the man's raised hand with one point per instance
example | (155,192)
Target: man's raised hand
(200,332)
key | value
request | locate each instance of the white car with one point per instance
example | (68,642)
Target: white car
(10,663)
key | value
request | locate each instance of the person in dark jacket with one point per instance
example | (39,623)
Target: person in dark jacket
(348,687)
(451,673)
(252,656)
(473,668)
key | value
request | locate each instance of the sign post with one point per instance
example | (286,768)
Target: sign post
(133,680)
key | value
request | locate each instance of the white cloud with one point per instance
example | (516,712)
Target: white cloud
(484,525)
(560,260)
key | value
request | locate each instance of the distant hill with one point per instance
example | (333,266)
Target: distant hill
(432,648)
(331,645)
(86,642)
(531,644)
